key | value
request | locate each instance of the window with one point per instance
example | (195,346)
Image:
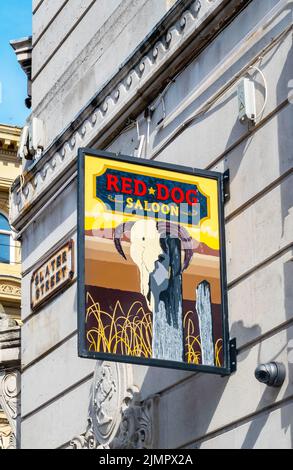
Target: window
(5,240)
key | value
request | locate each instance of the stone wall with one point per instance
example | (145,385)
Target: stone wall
(205,57)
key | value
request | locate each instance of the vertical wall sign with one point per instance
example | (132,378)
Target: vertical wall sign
(151,264)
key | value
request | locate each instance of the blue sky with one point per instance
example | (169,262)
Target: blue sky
(15,23)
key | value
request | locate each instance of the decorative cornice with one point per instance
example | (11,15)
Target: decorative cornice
(10,278)
(102,38)
(124,96)
(5,184)
(9,141)
(23,50)
(10,156)
(12,132)
(9,290)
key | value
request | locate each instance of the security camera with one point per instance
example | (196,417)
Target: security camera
(28,102)
(272,374)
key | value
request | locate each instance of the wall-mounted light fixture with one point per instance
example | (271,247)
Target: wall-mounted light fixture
(246,100)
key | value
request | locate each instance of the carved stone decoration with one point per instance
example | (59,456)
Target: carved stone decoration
(106,398)
(136,430)
(7,439)
(4,204)
(10,289)
(117,418)
(85,441)
(10,403)
(6,436)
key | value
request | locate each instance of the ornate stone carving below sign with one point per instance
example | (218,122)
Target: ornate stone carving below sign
(117,418)
(136,430)
(105,400)
(10,403)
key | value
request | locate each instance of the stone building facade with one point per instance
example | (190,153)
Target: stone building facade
(10,296)
(97,67)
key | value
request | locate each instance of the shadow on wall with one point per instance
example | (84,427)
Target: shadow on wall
(204,399)
(270,395)
(239,330)
(58,216)
(188,420)
(238,130)
(201,395)
(284,134)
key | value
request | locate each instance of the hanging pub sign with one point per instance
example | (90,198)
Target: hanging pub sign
(151,264)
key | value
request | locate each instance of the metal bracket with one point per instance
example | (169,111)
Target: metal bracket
(233,355)
(226,186)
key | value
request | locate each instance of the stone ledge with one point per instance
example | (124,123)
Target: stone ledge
(9,343)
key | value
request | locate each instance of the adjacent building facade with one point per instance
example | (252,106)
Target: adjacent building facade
(104,73)
(10,296)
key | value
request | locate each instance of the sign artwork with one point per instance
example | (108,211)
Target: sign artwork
(151,264)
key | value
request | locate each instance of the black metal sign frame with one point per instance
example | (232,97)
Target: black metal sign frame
(229,346)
